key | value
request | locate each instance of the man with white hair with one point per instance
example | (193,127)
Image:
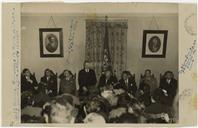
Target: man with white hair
(61,109)
(94,118)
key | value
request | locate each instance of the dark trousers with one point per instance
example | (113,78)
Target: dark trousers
(92,90)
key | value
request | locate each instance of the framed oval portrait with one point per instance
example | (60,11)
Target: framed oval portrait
(51,42)
(154,43)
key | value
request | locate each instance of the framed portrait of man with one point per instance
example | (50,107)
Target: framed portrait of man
(51,42)
(154,43)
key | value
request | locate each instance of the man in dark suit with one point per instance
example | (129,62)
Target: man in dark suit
(28,82)
(87,80)
(128,84)
(107,80)
(169,85)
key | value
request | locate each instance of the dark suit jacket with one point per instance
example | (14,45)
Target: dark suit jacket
(103,82)
(145,99)
(86,78)
(171,87)
(157,108)
(130,88)
(51,84)
(27,86)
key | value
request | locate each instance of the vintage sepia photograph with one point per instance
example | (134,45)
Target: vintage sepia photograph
(105,79)
(100,64)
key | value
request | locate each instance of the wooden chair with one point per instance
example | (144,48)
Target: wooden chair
(114,73)
(61,76)
(162,76)
(33,74)
(132,76)
(74,76)
(142,76)
(55,75)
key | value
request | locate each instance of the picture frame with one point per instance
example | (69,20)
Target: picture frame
(154,43)
(51,42)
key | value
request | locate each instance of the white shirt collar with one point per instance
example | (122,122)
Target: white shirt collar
(86,70)
(168,80)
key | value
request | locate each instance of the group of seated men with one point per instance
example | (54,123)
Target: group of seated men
(109,101)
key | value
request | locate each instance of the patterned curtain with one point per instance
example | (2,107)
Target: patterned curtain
(95,33)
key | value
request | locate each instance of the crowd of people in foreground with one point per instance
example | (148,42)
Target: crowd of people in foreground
(109,101)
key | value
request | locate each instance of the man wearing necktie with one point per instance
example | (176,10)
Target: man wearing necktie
(169,85)
(86,80)
(107,80)
(127,83)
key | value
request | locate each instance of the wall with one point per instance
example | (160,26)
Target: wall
(31,48)
(135,63)
(99,8)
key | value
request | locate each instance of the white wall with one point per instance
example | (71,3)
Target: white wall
(30,57)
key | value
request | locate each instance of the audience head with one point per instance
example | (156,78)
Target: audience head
(128,118)
(125,75)
(94,118)
(147,73)
(60,110)
(26,72)
(106,92)
(168,75)
(115,113)
(110,97)
(93,106)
